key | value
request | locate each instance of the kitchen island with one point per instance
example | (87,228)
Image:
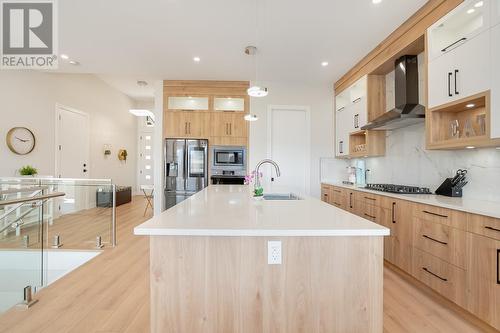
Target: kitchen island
(211,272)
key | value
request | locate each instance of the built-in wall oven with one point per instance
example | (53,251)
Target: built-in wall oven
(228,164)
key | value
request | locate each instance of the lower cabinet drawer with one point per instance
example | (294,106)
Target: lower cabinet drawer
(448,280)
(483,225)
(339,197)
(442,241)
(370,212)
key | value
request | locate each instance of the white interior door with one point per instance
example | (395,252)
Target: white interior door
(289,145)
(145,159)
(72,155)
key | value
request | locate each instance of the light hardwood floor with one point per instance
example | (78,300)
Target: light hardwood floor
(111,294)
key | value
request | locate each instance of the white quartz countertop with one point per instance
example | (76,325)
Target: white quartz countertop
(230,210)
(474,206)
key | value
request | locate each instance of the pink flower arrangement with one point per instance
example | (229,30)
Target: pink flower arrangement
(250,178)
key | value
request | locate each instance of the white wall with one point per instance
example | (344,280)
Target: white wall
(319,98)
(28,99)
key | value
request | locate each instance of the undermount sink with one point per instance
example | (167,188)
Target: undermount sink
(281,196)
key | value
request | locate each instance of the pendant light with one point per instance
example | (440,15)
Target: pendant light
(255,90)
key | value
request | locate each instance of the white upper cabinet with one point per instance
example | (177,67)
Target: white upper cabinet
(458,27)
(188,103)
(495,12)
(342,123)
(495,82)
(358,95)
(462,69)
(229,104)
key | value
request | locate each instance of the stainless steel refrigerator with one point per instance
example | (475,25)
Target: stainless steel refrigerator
(186,169)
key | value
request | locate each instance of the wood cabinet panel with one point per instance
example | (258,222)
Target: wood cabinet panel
(228,141)
(326,193)
(483,225)
(339,197)
(441,241)
(445,216)
(446,279)
(483,278)
(398,246)
(230,124)
(186,124)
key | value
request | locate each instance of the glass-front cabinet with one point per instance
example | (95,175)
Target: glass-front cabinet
(229,104)
(458,27)
(188,103)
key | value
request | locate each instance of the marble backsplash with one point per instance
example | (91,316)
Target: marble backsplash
(408,162)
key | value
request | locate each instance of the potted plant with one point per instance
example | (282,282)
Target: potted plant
(28,170)
(258,191)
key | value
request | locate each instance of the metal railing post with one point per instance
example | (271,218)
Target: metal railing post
(113,218)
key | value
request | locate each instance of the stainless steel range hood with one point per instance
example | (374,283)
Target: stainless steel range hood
(407,111)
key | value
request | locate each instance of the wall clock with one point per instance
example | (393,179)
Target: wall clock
(20,140)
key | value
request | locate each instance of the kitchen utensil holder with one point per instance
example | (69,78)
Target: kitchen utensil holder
(449,190)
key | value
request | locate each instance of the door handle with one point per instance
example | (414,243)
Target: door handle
(449,84)
(370,216)
(84,170)
(456,91)
(435,214)
(491,228)
(393,212)
(357,100)
(350,200)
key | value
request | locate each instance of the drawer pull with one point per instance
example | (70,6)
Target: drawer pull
(338,191)
(350,200)
(491,228)
(373,199)
(393,212)
(373,217)
(498,268)
(337,204)
(435,240)
(428,271)
(435,214)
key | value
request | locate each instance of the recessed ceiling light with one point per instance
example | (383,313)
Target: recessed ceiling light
(324,63)
(74,62)
(196,59)
(64,56)
(479,4)
(470,105)
(470,11)
(470,147)
(376,1)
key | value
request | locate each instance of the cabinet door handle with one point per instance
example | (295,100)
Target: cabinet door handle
(458,41)
(342,108)
(435,240)
(230,129)
(341,147)
(491,228)
(226,130)
(337,204)
(350,200)
(325,196)
(185,128)
(339,191)
(393,212)
(449,84)
(189,127)
(373,217)
(357,100)
(373,199)
(456,91)
(498,266)
(435,214)
(433,274)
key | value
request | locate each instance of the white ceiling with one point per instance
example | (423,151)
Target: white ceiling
(127,40)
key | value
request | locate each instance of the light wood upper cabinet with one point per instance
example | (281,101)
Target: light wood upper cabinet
(228,124)
(483,278)
(186,124)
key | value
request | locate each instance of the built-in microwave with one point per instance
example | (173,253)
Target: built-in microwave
(229,158)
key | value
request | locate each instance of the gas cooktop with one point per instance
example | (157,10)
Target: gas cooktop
(403,189)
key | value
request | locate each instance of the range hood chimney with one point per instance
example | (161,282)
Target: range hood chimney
(407,111)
